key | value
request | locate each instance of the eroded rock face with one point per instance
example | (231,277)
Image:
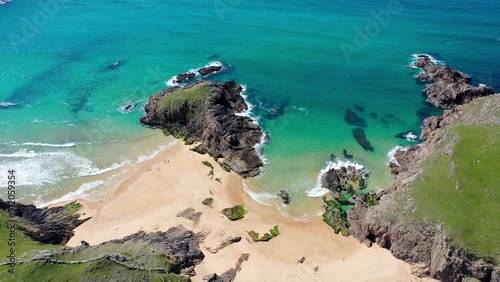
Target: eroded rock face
(49,226)
(391,225)
(215,123)
(181,244)
(449,87)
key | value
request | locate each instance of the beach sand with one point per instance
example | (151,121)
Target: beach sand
(153,195)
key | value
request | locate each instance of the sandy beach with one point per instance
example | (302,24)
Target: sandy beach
(151,197)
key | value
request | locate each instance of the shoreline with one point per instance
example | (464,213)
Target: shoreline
(151,200)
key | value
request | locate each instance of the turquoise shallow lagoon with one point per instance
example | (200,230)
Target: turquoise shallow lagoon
(62,123)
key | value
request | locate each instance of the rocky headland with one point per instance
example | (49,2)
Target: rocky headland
(410,223)
(448,87)
(209,113)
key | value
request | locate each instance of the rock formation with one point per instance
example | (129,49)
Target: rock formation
(206,112)
(390,224)
(449,87)
(285,196)
(206,71)
(49,226)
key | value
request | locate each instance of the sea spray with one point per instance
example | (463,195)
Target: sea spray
(318,190)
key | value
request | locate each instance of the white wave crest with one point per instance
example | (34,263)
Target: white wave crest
(65,145)
(415,58)
(72,195)
(7,104)
(261,198)
(318,190)
(391,154)
(20,154)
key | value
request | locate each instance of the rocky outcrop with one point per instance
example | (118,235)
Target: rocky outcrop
(181,245)
(208,70)
(181,78)
(285,196)
(391,223)
(49,226)
(206,112)
(227,242)
(449,87)
(229,275)
(344,177)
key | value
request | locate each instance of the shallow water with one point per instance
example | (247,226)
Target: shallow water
(58,88)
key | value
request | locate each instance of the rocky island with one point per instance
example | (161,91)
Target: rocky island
(209,113)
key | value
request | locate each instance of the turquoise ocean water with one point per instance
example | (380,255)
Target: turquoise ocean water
(62,126)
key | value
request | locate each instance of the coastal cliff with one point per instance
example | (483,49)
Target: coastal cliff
(39,233)
(440,213)
(210,113)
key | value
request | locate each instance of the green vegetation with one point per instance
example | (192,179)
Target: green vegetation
(275,231)
(461,188)
(235,213)
(200,149)
(73,207)
(208,164)
(335,217)
(225,166)
(209,202)
(194,96)
(144,262)
(23,243)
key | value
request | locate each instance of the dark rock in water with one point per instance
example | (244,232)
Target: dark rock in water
(210,118)
(358,108)
(130,107)
(285,196)
(346,155)
(373,115)
(384,122)
(181,78)
(115,65)
(449,87)
(49,226)
(353,119)
(206,71)
(359,135)
(342,179)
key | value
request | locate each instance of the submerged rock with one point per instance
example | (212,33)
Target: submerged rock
(359,135)
(206,112)
(449,87)
(351,118)
(407,135)
(346,155)
(115,65)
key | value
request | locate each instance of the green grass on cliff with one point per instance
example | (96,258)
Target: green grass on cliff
(461,189)
(142,255)
(194,96)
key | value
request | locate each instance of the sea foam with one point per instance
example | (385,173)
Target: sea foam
(318,190)
(261,198)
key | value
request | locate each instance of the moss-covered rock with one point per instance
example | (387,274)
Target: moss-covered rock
(336,217)
(275,231)
(235,213)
